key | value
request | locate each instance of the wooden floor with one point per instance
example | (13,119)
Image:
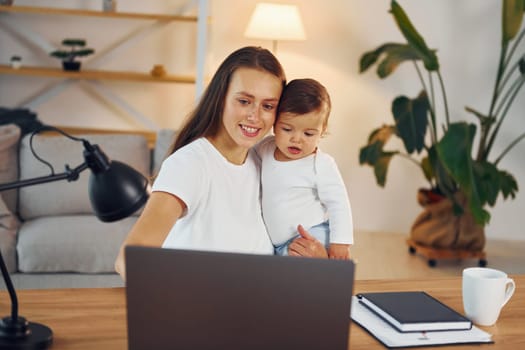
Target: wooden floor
(386,256)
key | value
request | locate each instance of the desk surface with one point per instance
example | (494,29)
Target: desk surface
(96,318)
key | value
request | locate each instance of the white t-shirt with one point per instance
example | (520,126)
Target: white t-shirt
(223,201)
(307,191)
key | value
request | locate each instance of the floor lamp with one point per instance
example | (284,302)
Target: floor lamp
(116,191)
(275,22)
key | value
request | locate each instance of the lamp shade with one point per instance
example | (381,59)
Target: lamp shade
(117,192)
(275,22)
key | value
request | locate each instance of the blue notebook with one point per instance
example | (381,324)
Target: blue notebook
(414,311)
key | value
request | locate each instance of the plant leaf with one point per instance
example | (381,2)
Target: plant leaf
(426,166)
(411,120)
(487,178)
(83,52)
(415,40)
(508,184)
(371,57)
(382,134)
(374,155)
(394,57)
(59,54)
(367,60)
(454,150)
(512,16)
(381,167)
(491,181)
(370,153)
(444,181)
(74,42)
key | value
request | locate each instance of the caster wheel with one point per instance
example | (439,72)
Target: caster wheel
(411,250)
(482,263)
(432,263)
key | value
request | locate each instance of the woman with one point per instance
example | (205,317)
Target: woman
(206,195)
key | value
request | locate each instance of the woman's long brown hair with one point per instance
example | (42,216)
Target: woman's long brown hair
(206,118)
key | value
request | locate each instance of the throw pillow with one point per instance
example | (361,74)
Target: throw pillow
(8,228)
(9,140)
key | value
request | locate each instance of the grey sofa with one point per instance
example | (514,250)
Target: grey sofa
(49,236)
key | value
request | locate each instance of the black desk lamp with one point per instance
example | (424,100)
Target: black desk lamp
(116,191)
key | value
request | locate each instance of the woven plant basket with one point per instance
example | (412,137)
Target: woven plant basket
(438,227)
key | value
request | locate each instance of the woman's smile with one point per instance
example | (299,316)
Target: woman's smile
(249,131)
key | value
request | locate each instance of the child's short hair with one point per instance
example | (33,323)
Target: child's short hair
(301,96)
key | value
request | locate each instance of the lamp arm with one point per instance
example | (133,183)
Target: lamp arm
(69,175)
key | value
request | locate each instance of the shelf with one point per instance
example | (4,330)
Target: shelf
(150,136)
(92,79)
(95,75)
(91,13)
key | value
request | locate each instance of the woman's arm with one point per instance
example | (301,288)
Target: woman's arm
(307,245)
(152,227)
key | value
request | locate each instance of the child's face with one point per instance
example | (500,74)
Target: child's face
(297,136)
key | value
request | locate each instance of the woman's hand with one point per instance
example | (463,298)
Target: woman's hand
(120,266)
(339,251)
(306,245)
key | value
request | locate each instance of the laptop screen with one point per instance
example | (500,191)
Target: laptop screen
(179,299)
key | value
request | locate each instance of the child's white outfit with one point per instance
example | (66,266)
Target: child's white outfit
(223,201)
(309,191)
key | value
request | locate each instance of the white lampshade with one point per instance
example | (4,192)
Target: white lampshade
(275,22)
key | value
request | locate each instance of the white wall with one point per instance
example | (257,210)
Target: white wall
(466,34)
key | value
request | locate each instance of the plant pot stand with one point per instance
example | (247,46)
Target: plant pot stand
(434,254)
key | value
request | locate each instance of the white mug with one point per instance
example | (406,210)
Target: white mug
(485,292)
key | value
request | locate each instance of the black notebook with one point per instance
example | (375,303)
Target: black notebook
(414,311)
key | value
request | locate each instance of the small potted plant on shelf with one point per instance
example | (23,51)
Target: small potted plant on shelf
(68,57)
(15,61)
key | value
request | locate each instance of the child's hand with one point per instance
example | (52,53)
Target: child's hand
(339,251)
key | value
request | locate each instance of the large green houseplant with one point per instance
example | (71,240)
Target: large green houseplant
(458,170)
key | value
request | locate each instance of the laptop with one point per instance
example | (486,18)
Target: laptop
(181,299)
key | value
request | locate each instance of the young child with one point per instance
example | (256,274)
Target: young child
(300,183)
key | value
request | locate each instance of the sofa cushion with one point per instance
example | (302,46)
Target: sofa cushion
(76,243)
(71,198)
(9,137)
(8,227)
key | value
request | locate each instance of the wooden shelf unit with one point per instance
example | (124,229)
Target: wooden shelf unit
(92,13)
(96,75)
(93,76)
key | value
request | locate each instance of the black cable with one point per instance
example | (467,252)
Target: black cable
(50,128)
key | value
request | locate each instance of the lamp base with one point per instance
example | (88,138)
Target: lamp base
(21,334)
